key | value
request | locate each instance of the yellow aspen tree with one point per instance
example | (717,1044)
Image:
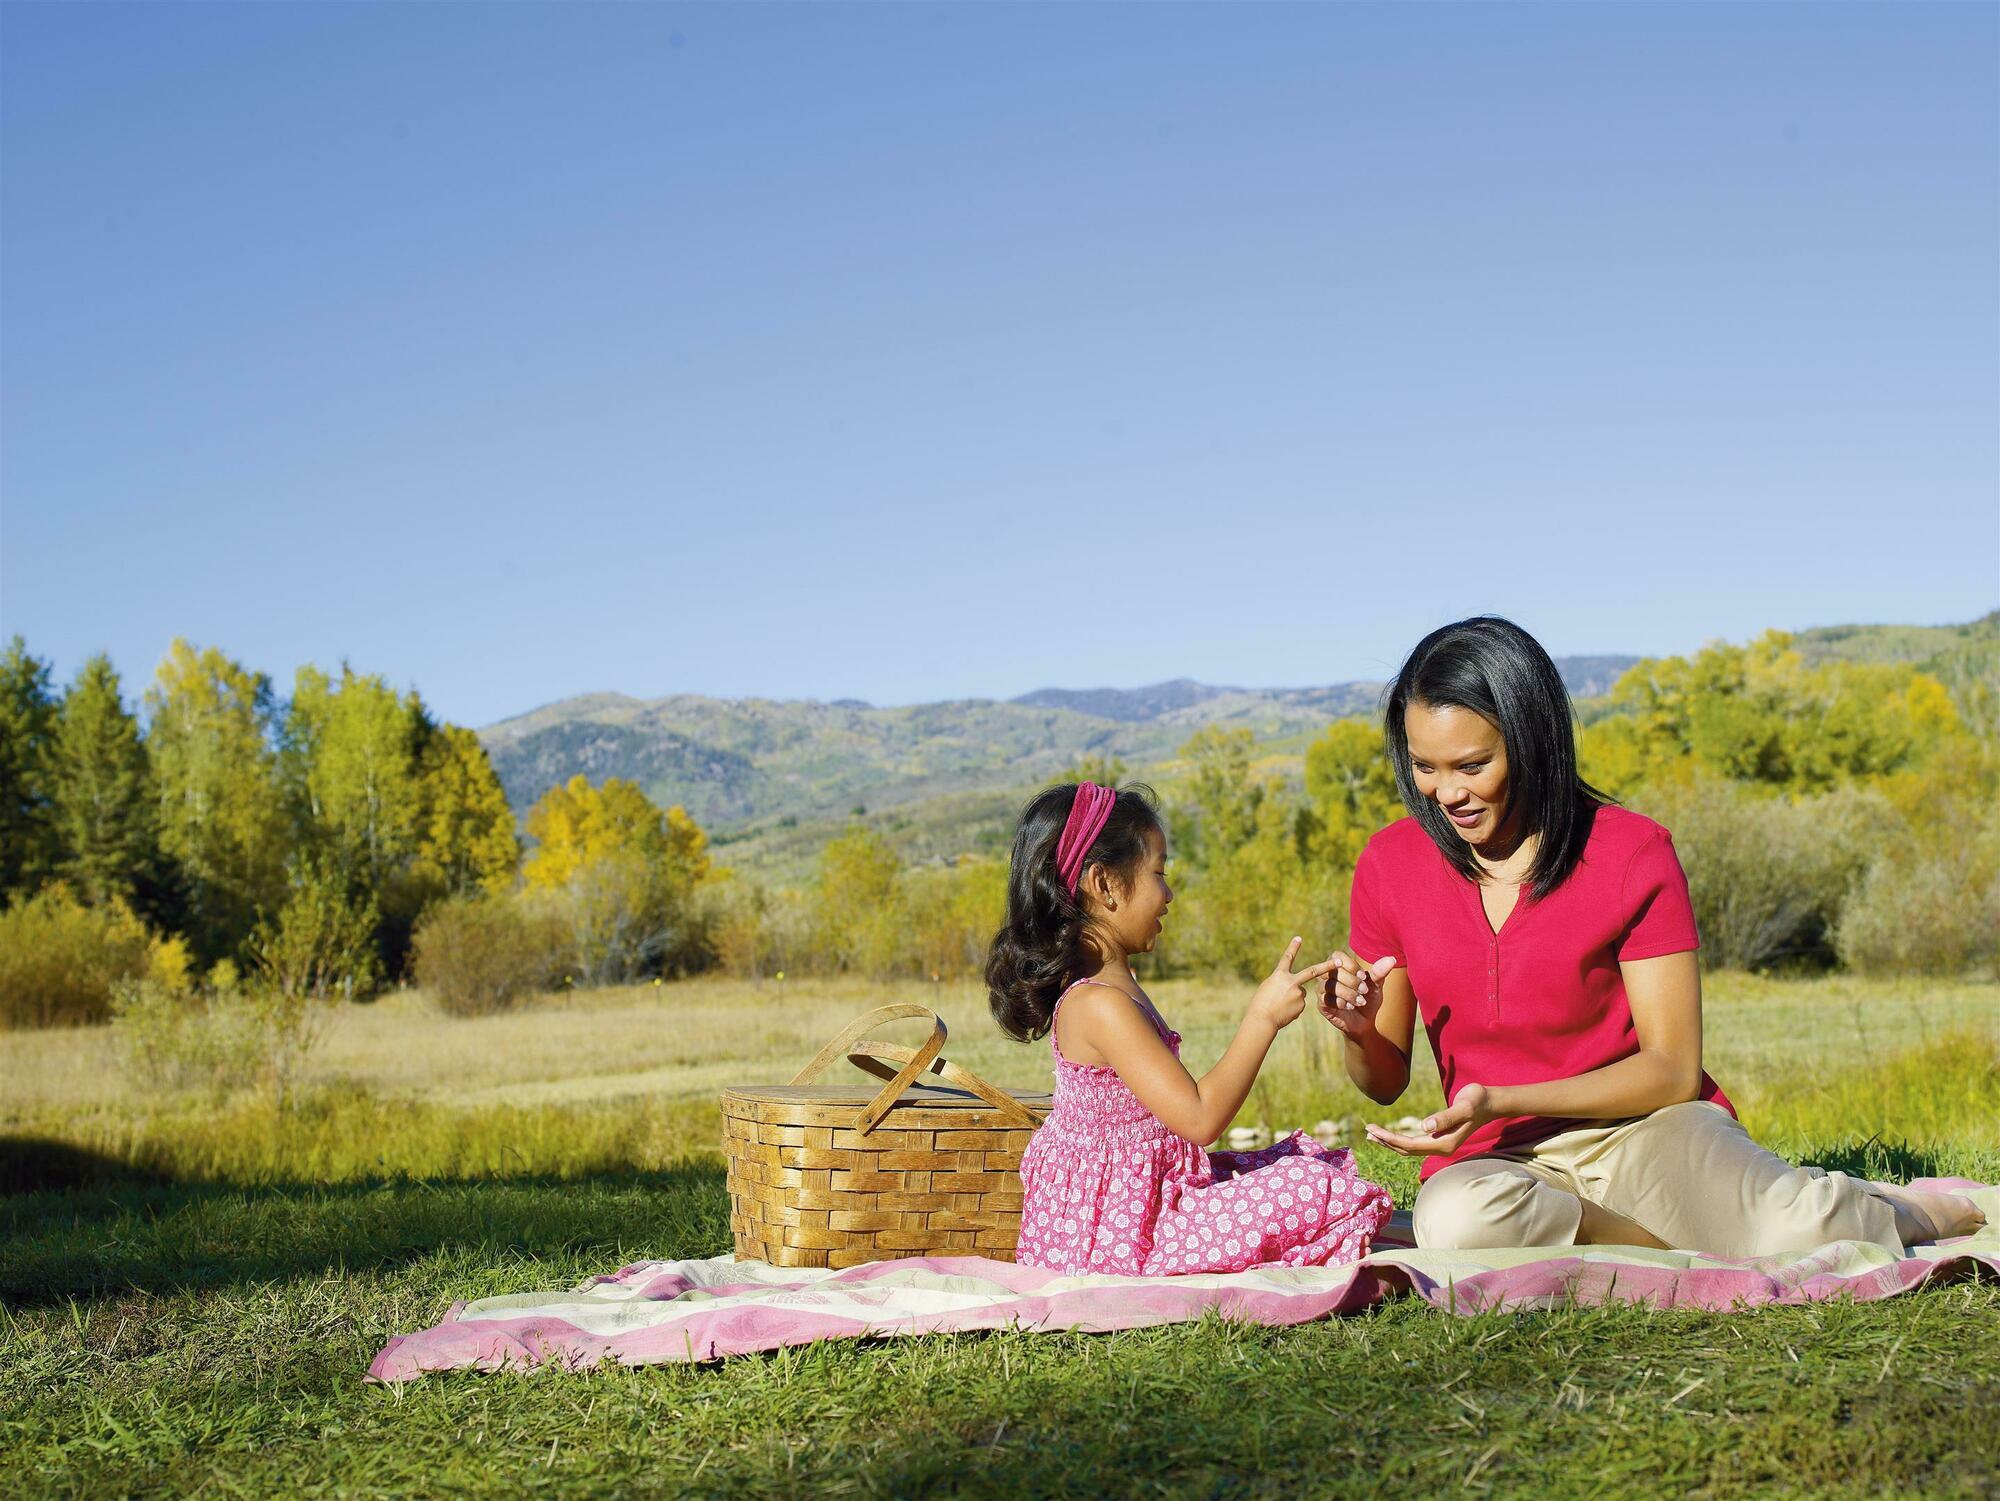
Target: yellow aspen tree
(466,840)
(1350,791)
(352,765)
(627,870)
(221,810)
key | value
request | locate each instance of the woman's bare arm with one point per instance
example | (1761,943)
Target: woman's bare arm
(1665,996)
(1378,1037)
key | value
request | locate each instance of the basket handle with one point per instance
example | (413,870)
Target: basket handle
(918,1060)
(875,1058)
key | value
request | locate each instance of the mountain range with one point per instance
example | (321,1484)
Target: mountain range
(733,762)
(771,779)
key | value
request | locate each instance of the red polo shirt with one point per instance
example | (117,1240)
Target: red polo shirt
(1542,999)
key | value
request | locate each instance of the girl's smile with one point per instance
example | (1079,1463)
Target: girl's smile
(1141,913)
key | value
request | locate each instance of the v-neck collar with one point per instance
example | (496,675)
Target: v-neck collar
(1479,907)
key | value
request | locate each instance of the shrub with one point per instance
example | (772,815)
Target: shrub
(621,925)
(857,906)
(749,931)
(322,941)
(787,927)
(171,964)
(219,1038)
(1927,915)
(60,959)
(168,1038)
(1768,876)
(735,914)
(286,1025)
(476,955)
(950,914)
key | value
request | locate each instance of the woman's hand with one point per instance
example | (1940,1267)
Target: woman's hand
(1350,996)
(1445,1131)
(1282,996)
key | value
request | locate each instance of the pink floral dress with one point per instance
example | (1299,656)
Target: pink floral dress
(1106,1187)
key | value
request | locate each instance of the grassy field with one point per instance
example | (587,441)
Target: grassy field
(193,1286)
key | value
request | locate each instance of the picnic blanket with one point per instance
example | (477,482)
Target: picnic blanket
(654,1311)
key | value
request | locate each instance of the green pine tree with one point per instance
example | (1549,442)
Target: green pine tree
(105,812)
(29,848)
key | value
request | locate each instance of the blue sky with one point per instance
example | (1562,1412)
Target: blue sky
(917,352)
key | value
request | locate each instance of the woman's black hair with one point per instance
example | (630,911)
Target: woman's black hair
(1040,945)
(1498,671)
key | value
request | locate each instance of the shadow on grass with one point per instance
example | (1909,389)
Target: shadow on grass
(31,1164)
(78,1224)
(91,1225)
(1871,1157)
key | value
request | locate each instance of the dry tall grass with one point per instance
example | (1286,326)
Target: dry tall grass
(686,1040)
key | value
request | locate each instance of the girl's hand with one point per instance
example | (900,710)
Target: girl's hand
(1445,1131)
(1282,996)
(1350,996)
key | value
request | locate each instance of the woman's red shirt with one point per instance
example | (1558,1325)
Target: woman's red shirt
(1543,998)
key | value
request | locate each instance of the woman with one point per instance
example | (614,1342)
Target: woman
(1546,937)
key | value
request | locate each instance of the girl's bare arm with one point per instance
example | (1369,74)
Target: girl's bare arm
(1196,1111)
(1113,1027)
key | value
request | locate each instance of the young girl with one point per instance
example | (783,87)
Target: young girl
(1116,1180)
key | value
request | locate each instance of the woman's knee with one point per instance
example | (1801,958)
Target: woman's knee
(1475,1211)
(1692,1175)
(1809,1207)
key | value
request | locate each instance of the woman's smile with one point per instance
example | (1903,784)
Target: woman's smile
(1458,759)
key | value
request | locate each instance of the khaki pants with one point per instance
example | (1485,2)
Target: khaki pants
(1689,1173)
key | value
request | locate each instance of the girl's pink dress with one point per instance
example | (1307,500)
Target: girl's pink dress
(1106,1187)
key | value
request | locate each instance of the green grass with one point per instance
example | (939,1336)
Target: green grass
(212,1342)
(192,1295)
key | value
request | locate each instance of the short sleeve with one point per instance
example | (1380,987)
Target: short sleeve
(1658,913)
(1370,933)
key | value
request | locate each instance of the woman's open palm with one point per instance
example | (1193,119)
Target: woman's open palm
(1443,1132)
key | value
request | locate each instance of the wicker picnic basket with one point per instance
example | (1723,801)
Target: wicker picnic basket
(834,1175)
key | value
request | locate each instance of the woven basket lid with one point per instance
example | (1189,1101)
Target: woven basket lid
(911,1097)
(780,1101)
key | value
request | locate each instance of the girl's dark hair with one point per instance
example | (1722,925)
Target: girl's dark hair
(1498,671)
(1041,943)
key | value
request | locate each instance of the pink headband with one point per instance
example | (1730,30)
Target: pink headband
(1087,815)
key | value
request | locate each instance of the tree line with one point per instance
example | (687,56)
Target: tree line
(1840,814)
(1845,814)
(300,840)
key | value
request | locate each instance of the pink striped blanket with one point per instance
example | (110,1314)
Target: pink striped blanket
(655,1311)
